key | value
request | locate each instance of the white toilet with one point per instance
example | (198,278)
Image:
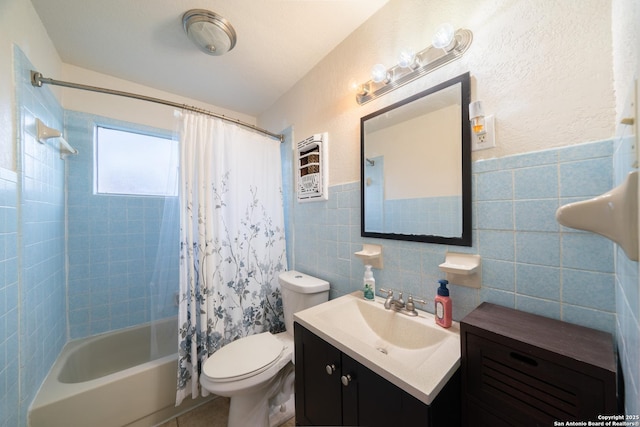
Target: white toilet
(256,372)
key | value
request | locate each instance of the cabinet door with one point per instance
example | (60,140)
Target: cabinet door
(369,399)
(352,394)
(318,392)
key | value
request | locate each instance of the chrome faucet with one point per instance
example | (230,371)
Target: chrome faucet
(391,303)
(398,305)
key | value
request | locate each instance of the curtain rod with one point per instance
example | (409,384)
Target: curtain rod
(37,80)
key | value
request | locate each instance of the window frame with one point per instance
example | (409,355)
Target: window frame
(150,134)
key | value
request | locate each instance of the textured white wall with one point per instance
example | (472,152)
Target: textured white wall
(543,67)
(626,52)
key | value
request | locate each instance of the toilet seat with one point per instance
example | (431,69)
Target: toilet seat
(243,358)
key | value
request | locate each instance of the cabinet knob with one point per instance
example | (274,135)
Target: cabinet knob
(330,369)
(346,379)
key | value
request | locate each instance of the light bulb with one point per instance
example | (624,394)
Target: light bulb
(444,37)
(379,73)
(407,58)
(358,89)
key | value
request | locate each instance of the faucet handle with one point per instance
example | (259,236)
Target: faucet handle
(411,307)
(411,299)
(389,292)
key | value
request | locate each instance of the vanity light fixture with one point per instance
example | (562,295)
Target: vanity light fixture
(444,37)
(448,45)
(362,89)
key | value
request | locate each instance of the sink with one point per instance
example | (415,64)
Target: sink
(411,352)
(370,321)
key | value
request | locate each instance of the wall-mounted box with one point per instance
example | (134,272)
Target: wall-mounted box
(312,165)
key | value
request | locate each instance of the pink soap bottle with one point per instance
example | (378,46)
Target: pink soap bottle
(443,305)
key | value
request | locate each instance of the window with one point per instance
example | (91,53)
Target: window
(135,164)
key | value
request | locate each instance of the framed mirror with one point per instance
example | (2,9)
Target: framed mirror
(415,170)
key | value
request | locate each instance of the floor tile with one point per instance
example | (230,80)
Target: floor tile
(211,414)
(171,423)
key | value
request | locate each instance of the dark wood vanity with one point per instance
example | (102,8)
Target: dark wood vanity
(520,369)
(333,389)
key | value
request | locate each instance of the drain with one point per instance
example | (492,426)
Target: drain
(382,350)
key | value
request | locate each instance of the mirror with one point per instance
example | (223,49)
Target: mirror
(416,167)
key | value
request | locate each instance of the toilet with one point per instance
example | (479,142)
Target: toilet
(257,372)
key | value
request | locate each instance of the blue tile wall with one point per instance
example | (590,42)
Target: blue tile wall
(529,261)
(113,241)
(9,356)
(410,216)
(39,247)
(627,285)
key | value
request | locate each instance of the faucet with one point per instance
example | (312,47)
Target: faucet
(398,305)
(391,303)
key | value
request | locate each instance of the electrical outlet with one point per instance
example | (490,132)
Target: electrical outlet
(487,139)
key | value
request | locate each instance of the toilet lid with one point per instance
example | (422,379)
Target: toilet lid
(242,358)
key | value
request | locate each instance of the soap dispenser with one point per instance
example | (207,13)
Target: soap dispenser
(369,284)
(443,305)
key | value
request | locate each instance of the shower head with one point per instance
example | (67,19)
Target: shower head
(213,34)
(370,162)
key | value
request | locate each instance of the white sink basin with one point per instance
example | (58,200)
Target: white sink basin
(411,352)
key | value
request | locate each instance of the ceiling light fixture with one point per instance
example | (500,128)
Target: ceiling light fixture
(212,33)
(448,45)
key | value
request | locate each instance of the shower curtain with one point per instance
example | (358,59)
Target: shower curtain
(232,243)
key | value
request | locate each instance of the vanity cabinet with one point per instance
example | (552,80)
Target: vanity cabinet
(331,388)
(520,369)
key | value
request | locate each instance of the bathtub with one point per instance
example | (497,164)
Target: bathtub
(112,380)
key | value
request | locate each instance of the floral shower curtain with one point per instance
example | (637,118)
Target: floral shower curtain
(232,244)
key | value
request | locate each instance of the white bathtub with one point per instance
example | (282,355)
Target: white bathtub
(113,380)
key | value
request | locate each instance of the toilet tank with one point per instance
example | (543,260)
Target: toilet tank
(300,291)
